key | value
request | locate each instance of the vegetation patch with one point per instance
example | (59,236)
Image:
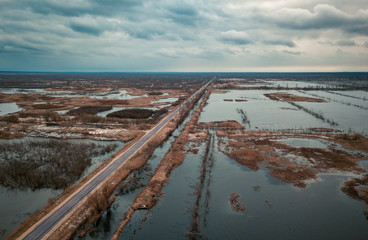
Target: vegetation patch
(46,164)
(280,96)
(291,164)
(357,188)
(236,205)
(230,124)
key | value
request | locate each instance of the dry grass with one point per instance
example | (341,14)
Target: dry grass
(230,124)
(290,164)
(291,97)
(236,205)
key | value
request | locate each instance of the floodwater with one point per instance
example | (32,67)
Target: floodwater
(21,203)
(121,94)
(274,209)
(306,142)
(7,108)
(164,100)
(279,210)
(262,112)
(284,84)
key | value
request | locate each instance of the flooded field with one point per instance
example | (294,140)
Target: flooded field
(275,203)
(264,157)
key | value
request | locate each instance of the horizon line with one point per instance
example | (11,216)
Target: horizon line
(176,72)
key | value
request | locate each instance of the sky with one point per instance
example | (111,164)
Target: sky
(184,35)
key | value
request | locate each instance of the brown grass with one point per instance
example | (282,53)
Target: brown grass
(236,205)
(248,157)
(356,188)
(290,164)
(291,97)
(230,124)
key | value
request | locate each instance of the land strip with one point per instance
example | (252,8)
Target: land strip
(148,197)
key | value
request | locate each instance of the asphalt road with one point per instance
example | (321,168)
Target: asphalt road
(43,227)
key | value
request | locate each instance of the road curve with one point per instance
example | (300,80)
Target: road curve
(42,228)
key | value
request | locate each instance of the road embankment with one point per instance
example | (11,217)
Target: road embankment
(149,196)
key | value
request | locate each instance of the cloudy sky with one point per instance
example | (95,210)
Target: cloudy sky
(183,35)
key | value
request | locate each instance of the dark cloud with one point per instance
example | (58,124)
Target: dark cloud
(292,52)
(20,46)
(287,43)
(323,16)
(346,43)
(341,43)
(85,28)
(183,14)
(63,8)
(235,37)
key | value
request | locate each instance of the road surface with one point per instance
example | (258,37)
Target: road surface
(49,222)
